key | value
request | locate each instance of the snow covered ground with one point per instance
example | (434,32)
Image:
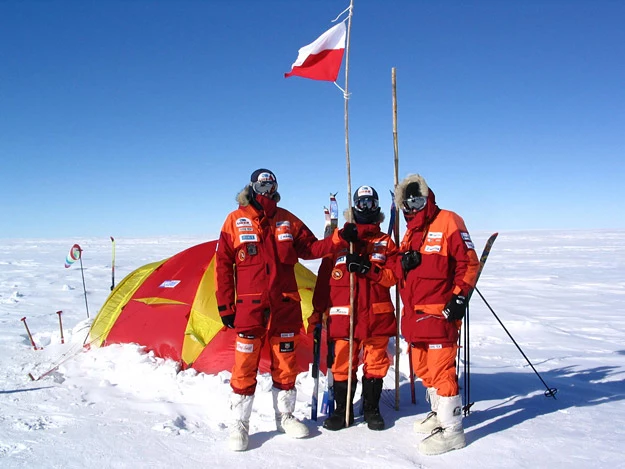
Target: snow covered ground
(560,294)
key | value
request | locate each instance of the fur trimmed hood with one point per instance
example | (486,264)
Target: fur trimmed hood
(243,197)
(400,190)
(379,221)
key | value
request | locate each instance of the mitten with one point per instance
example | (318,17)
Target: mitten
(349,232)
(455,308)
(357,264)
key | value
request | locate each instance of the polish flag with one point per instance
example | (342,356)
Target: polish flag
(321,60)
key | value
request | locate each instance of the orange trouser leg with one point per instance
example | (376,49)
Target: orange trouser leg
(246,359)
(284,361)
(340,367)
(375,357)
(436,368)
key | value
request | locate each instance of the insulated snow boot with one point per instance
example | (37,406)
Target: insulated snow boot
(241,409)
(450,434)
(284,405)
(371,392)
(337,420)
(430,422)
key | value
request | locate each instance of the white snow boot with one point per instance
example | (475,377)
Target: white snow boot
(450,434)
(240,409)
(284,405)
(430,422)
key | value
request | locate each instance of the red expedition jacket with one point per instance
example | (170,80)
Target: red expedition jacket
(448,266)
(255,262)
(375,312)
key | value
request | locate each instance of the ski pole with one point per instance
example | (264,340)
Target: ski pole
(83,284)
(315,371)
(413,398)
(61,326)
(550,392)
(30,336)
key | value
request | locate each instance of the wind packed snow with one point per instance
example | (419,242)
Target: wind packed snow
(561,295)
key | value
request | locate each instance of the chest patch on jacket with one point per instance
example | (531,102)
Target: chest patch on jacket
(337,274)
(243,222)
(248,238)
(286,347)
(432,249)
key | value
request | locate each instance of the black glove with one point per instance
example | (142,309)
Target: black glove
(228,321)
(349,232)
(410,260)
(455,308)
(357,264)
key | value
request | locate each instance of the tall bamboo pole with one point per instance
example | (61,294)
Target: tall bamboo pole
(349,205)
(396,229)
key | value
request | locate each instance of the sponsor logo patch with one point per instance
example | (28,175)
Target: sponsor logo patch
(169,284)
(286,347)
(241,255)
(435,346)
(245,348)
(285,237)
(469,244)
(432,249)
(339,311)
(244,222)
(283,224)
(246,228)
(376,256)
(381,243)
(337,274)
(435,235)
(340,260)
(248,238)
(465,236)
(365,191)
(287,334)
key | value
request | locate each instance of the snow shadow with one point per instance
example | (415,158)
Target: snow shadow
(522,397)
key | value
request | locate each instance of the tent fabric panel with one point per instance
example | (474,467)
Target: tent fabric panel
(117,299)
(204,321)
(158,327)
(178,278)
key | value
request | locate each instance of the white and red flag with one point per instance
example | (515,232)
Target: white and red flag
(321,59)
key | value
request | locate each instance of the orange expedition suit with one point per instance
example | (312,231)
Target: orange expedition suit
(374,318)
(448,266)
(255,279)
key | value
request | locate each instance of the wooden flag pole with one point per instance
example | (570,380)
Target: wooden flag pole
(396,230)
(349,205)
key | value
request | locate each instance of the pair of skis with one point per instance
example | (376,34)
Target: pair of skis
(327,403)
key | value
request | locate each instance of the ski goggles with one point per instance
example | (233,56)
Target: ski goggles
(265,187)
(366,204)
(415,204)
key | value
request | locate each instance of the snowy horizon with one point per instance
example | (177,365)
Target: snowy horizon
(560,294)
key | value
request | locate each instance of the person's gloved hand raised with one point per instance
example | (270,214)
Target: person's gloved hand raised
(349,232)
(357,264)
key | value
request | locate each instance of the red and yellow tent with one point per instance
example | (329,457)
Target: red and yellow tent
(170,308)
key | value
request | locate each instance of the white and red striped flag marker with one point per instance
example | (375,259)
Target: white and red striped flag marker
(321,59)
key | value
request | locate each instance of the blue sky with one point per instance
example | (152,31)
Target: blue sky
(143,118)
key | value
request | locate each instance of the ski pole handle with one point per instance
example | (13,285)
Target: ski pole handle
(30,336)
(61,326)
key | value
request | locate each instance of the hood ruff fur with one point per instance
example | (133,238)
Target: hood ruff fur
(243,199)
(401,188)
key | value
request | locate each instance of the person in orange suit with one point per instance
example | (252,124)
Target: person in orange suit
(257,296)
(374,312)
(437,266)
